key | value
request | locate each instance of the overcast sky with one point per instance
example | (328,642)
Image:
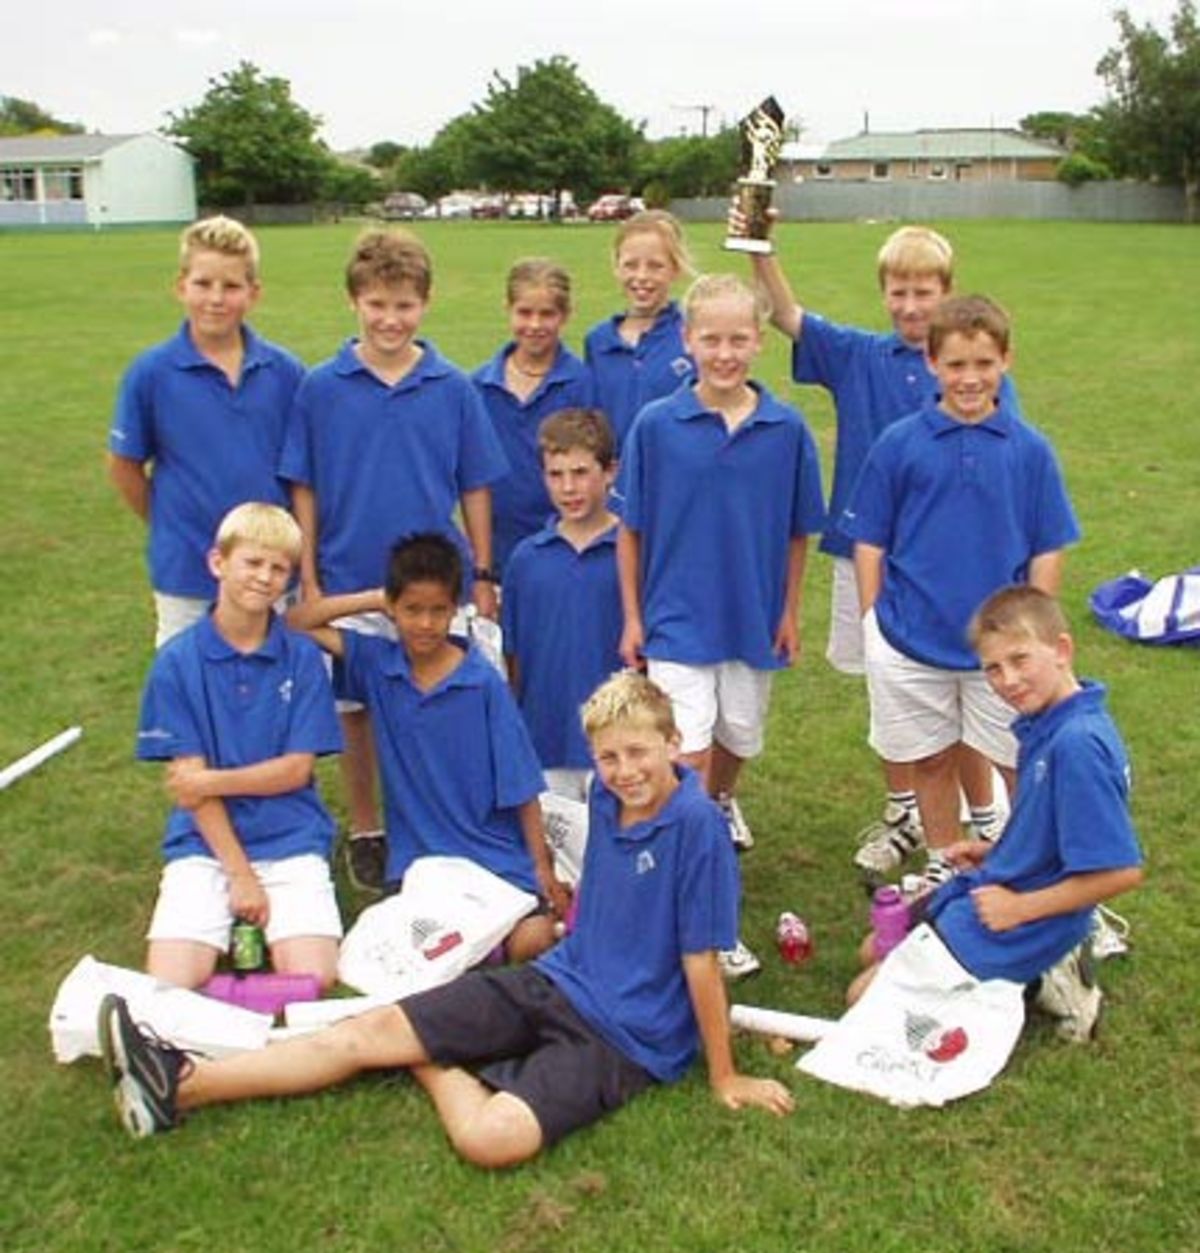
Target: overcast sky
(393,69)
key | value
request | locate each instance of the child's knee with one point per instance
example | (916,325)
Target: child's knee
(503,1133)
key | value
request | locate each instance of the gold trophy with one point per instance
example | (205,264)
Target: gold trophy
(762,140)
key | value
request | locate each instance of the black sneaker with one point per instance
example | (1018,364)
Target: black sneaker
(366,860)
(145,1071)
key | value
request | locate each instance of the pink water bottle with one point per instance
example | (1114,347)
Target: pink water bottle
(791,935)
(889,920)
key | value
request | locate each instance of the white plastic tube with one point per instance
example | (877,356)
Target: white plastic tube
(24,765)
(775,1022)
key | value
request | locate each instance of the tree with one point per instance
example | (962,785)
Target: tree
(690,165)
(252,142)
(23,117)
(1077,168)
(1152,116)
(546,131)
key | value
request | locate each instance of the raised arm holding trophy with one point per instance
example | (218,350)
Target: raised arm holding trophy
(762,140)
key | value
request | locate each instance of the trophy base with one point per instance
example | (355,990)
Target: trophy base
(736,243)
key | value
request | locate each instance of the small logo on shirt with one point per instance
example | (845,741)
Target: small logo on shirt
(645,861)
(681,366)
(154,733)
(1040,770)
(285,691)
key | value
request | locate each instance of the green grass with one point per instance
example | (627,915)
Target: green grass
(1070,1149)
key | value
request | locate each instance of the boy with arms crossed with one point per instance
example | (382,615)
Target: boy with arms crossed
(239,707)
(460,775)
(200,420)
(953,502)
(385,439)
(561,608)
(1022,908)
(560,1042)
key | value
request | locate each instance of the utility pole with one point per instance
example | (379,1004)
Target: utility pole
(703,109)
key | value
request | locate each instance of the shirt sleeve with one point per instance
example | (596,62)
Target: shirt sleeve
(707,889)
(169,725)
(313,726)
(350,669)
(132,432)
(481,459)
(1054,522)
(627,497)
(808,500)
(870,513)
(824,351)
(1091,805)
(295,457)
(517,771)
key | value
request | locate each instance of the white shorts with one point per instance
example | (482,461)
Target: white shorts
(918,710)
(845,649)
(377,624)
(175,614)
(573,783)
(193,900)
(726,703)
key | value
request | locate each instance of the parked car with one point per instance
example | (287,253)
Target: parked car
(403,206)
(456,205)
(489,207)
(614,208)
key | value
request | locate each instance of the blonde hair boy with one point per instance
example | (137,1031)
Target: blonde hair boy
(219,234)
(257,523)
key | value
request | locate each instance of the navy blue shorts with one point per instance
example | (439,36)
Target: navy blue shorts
(518,1033)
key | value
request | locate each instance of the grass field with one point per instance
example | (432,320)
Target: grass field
(1092,1148)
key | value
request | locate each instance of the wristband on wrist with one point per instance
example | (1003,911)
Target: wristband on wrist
(485,574)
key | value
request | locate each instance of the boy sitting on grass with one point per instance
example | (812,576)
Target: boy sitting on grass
(557,1043)
(1022,908)
(239,707)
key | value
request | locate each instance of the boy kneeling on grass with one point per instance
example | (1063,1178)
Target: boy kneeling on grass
(558,1042)
(1022,908)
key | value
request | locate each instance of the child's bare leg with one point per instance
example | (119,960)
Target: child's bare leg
(700,762)
(531,936)
(184,963)
(358,771)
(861,983)
(935,781)
(307,955)
(975,774)
(897,775)
(723,771)
(486,1128)
(377,1040)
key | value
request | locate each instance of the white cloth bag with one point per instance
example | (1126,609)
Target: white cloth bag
(925,1032)
(187,1019)
(449,915)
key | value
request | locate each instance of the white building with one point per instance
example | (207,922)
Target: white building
(94,180)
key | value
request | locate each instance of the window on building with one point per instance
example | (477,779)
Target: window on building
(880,170)
(822,169)
(17,183)
(938,171)
(64,183)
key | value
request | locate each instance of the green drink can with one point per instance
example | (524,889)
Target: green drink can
(247,946)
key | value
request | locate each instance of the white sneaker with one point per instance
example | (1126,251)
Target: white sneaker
(1069,993)
(937,871)
(884,846)
(1110,934)
(738,962)
(739,828)
(989,831)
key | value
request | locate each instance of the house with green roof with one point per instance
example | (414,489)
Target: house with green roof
(937,155)
(94,181)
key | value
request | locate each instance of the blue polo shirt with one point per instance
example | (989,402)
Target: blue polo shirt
(874,379)
(203,698)
(456,761)
(385,461)
(561,619)
(651,894)
(520,503)
(1071,817)
(213,446)
(627,377)
(961,508)
(716,513)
